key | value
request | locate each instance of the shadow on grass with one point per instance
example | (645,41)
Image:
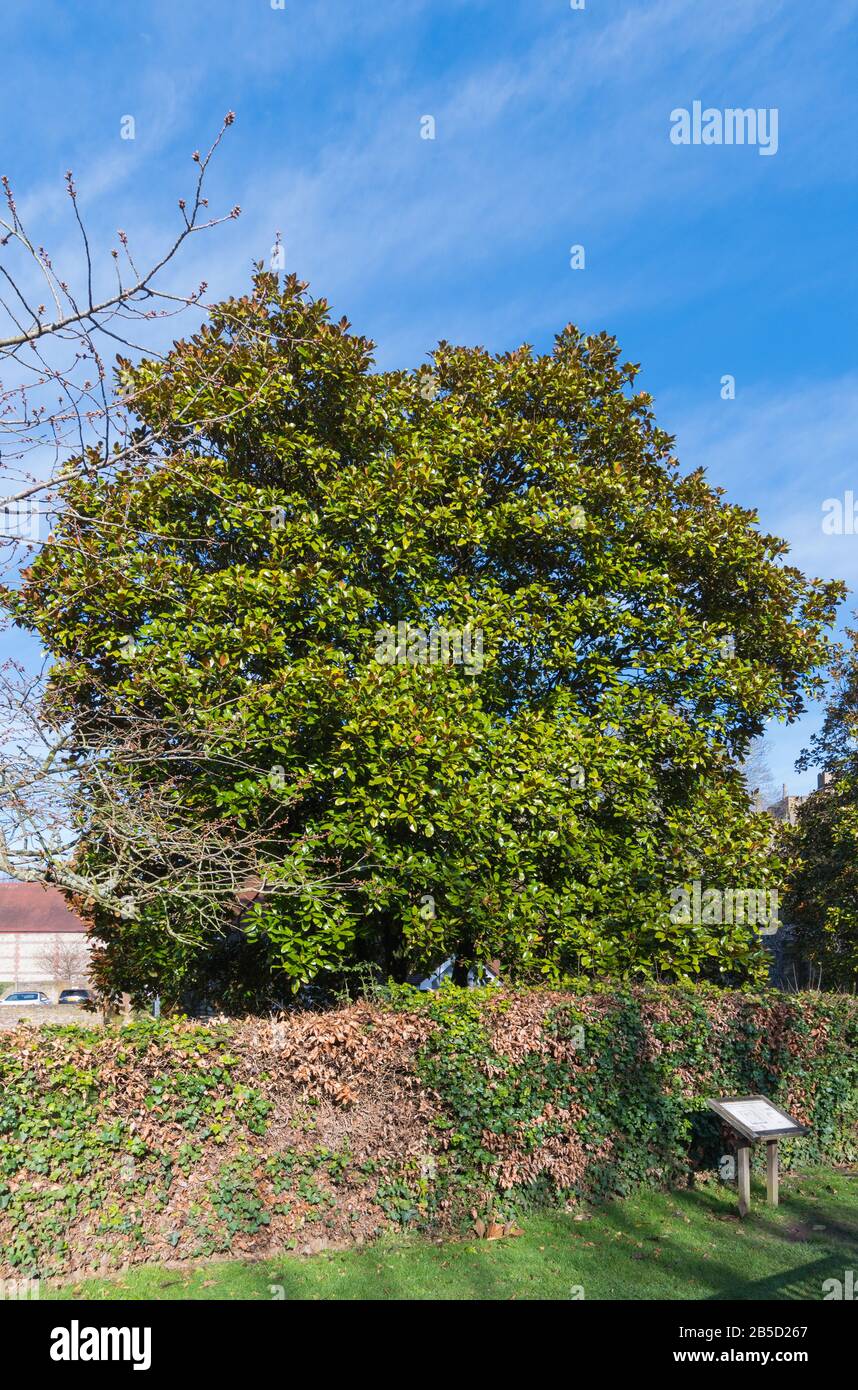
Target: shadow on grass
(717,1256)
(802,1285)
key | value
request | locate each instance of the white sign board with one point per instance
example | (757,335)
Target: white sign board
(758,1115)
(754,1117)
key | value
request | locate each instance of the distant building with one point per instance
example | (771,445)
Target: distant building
(42,941)
(786,809)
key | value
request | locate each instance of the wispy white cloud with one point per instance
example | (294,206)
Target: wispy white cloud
(783,449)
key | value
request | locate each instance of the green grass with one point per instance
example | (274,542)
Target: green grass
(687,1244)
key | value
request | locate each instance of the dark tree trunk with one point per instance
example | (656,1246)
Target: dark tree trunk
(460,973)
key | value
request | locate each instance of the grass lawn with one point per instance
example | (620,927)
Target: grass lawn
(687,1244)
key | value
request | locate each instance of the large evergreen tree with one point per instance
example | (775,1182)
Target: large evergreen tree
(630,634)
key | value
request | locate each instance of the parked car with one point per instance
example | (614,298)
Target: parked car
(477,975)
(26,998)
(75,996)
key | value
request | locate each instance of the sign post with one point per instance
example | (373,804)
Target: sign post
(755,1118)
(743,1165)
(772,1171)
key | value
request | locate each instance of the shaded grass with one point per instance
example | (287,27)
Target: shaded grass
(675,1245)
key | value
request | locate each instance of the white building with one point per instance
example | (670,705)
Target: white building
(42,941)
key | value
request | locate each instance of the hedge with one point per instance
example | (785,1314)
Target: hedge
(177,1140)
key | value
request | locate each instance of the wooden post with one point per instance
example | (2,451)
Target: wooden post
(744,1175)
(772,1171)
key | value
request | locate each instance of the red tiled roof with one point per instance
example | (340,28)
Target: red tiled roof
(29,907)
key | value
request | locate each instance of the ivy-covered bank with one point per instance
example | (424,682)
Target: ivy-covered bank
(177,1140)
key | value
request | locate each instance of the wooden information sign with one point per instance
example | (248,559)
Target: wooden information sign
(756,1118)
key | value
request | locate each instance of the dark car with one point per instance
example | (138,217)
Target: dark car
(75,996)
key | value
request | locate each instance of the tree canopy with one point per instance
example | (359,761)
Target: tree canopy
(489,659)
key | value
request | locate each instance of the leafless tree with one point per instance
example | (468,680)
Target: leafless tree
(757,774)
(61,790)
(66,959)
(58,409)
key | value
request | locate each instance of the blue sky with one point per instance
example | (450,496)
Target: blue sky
(552,129)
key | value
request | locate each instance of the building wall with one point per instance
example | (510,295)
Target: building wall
(43,958)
